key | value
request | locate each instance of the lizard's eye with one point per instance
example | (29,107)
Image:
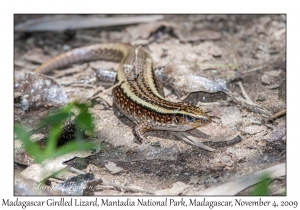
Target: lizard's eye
(189,118)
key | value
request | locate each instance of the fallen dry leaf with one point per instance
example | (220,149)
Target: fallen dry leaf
(184,80)
(39,172)
(113,168)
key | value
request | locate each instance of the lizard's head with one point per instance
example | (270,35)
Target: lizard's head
(188,117)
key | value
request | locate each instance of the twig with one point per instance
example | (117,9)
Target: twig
(75,22)
(83,85)
(196,141)
(255,69)
(278,114)
(249,104)
(269,126)
(207,66)
(76,170)
(244,92)
(255,122)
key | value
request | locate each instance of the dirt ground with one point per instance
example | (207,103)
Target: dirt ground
(246,51)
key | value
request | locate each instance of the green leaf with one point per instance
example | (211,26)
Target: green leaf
(74,146)
(52,140)
(32,148)
(83,122)
(81,106)
(262,187)
(58,117)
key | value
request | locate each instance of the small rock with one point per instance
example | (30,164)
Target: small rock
(266,79)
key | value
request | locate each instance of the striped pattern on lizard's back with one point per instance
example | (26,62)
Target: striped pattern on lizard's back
(138,93)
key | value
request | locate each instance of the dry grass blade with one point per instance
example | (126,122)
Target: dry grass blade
(192,140)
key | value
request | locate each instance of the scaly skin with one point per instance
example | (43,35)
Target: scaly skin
(137,94)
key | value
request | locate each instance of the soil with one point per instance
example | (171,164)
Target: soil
(256,42)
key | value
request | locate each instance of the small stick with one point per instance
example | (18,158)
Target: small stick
(278,114)
(255,69)
(83,85)
(76,170)
(244,92)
